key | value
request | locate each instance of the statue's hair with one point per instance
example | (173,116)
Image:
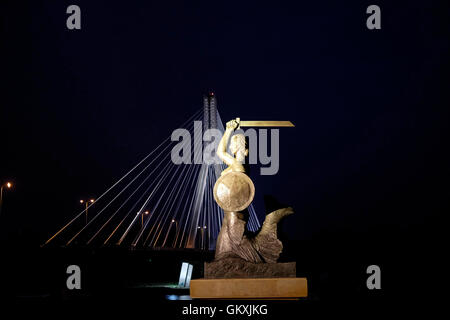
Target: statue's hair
(239,140)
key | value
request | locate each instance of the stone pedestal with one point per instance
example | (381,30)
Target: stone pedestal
(257,288)
(238,268)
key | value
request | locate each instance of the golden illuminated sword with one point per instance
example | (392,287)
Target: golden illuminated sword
(262,123)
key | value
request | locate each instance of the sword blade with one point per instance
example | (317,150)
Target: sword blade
(266,124)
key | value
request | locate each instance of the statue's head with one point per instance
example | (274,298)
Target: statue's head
(238,147)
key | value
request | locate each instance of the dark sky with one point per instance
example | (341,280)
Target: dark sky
(369,150)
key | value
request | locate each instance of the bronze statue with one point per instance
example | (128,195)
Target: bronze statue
(234,191)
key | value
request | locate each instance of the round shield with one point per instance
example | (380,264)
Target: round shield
(234,191)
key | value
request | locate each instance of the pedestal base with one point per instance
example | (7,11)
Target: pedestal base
(235,268)
(259,288)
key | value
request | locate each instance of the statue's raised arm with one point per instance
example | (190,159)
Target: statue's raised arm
(237,147)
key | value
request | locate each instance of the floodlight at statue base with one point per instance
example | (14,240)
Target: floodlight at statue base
(185,275)
(256,288)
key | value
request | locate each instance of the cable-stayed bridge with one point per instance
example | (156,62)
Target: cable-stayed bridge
(158,203)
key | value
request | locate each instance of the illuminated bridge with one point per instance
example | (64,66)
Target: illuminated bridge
(157,203)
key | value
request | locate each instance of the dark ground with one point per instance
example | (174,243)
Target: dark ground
(335,266)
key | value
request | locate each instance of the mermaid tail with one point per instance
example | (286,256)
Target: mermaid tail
(265,247)
(266,242)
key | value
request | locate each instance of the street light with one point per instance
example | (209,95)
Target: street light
(176,223)
(142,218)
(176,233)
(202,229)
(87,203)
(8,185)
(168,231)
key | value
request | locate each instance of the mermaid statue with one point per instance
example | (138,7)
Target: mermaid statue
(234,191)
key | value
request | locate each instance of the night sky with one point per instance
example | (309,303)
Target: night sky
(368,156)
